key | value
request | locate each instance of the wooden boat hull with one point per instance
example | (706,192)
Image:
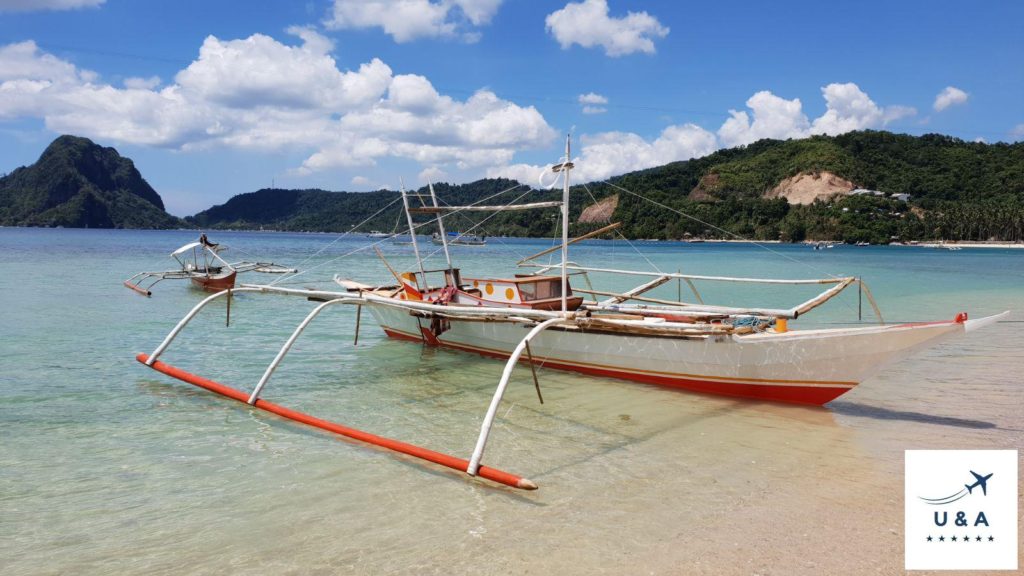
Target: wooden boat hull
(804,367)
(216,282)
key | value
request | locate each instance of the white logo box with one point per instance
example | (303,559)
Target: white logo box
(956,520)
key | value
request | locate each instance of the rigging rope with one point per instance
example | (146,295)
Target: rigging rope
(642,255)
(360,249)
(733,234)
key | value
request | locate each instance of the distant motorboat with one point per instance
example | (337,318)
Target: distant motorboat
(459,239)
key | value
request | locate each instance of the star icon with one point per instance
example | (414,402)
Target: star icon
(953,538)
(967,538)
(978,539)
(943,538)
(929,538)
(991,538)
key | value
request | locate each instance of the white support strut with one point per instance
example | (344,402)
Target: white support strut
(288,345)
(188,318)
(492,410)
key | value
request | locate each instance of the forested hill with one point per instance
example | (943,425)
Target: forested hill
(76,183)
(323,211)
(958,191)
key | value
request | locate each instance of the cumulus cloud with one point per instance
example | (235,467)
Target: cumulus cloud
(592,98)
(610,153)
(773,117)
(950,96)
(432,174)
(847,108)
(1017,132)
(34,5)
(142,83)
(259,93)
(407,20)
(588,24)
(591,103)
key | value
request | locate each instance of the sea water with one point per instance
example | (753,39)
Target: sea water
(109,467)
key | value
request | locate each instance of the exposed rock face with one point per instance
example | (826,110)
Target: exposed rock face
(600,212)
(705,189)
(806,187)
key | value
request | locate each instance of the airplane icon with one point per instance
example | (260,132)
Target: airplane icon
(981,481)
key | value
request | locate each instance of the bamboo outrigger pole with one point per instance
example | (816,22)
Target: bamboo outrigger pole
(597,232)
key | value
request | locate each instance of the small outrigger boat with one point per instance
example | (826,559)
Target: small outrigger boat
(538,318)
(201,263)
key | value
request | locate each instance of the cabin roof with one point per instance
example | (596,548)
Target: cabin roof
(185,248)
(518,280)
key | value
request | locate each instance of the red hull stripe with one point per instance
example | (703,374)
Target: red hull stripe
(796,392)
(452,462)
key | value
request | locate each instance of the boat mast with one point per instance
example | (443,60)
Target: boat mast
(412,234)
(440,225)
(565,167)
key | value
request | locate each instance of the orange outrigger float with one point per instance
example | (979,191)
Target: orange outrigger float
(452,462)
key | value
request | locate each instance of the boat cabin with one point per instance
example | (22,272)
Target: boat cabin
(534,292)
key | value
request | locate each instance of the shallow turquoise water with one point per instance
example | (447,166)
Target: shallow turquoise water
(107,467)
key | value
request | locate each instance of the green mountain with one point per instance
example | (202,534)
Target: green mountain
(958,191)
(76,183)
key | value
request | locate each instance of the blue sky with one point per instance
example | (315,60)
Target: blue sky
(212,99)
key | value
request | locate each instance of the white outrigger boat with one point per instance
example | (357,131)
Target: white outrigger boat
(746,352)
(201,263)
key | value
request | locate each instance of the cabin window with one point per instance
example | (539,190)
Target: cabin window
(542,290)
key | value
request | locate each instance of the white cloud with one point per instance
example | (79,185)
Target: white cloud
(432,174)
(591,101)
(774,117)
(610,153)
(1017,132)
(950,96)
(33,5)
(142,83)
(260,71)
(312,40)
(361,181)
(847,108)
(896,112)
(407,20)
(258,93)
(980,140)
(592,98)
(587,23)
